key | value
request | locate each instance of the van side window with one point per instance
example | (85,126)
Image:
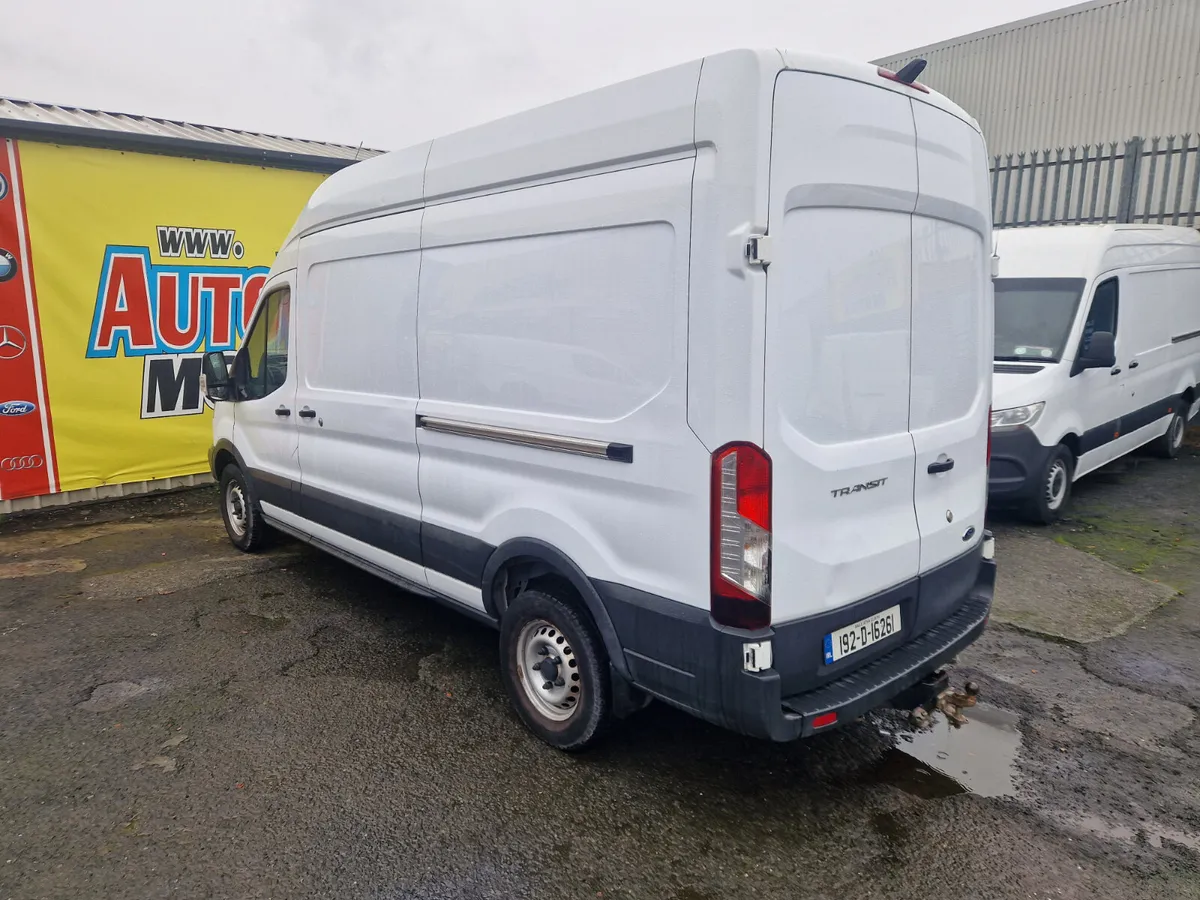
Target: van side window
(1103,314)
(267,347)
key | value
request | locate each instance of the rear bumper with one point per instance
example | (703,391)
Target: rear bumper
(677,653)
(1018,460)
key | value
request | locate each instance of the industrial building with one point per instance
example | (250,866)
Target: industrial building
(1092,112)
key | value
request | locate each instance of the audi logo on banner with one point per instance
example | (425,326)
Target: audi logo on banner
(21,463)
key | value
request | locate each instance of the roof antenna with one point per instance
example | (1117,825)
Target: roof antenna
(912,71)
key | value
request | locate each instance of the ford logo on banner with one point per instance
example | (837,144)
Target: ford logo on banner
(16,408)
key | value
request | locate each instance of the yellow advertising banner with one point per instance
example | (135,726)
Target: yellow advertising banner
(128,267)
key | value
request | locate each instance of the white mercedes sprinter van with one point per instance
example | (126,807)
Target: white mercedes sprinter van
(682,385)
(1097,354)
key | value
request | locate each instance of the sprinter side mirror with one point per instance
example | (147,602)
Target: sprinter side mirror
(1101,352)
(217,385)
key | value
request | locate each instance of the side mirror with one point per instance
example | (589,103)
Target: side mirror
(215,372)
(1101,352)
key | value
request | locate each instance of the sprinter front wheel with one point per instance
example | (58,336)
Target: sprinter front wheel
(555,671)
(1169,445)
(1053,487)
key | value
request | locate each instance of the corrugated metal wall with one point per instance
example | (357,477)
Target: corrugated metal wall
(1099,72)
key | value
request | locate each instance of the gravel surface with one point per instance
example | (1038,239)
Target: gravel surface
(179,720)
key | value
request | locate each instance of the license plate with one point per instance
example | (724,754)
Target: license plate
(845,641)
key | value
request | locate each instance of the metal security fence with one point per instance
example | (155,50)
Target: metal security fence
(1144,180)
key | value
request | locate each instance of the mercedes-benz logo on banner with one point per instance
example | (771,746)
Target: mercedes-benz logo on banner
(12,342)
(3,186)
(21,463)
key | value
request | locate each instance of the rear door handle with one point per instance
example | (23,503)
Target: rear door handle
(1134,364)
(282,411)
(1116,371)
(307,413)
(942,465)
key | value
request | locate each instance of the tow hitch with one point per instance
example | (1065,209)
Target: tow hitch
(950,703)
(935,694)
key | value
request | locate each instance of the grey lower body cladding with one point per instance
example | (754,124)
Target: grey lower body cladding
(676,653)
(1019,458)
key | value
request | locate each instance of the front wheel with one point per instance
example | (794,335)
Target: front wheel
(239,508)
(555,671)
(1054,487)
(1169,445)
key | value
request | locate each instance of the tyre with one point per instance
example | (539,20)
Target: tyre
(1169,445)
(1054,487)
(239,508)
(555,671)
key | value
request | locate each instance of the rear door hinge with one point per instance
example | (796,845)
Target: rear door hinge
(758,250)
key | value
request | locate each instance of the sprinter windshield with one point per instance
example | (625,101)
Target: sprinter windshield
(1034,316)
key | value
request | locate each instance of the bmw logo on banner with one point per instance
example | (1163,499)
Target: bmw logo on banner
(8,265)
(3,186)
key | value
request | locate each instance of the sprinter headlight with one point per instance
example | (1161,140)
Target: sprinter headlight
(1017,416)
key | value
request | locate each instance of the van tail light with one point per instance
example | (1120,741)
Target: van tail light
(741,537)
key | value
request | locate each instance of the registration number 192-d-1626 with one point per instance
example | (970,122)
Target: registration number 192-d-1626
(871,630)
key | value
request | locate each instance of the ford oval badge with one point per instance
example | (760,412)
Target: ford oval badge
(16,408)
(969,533)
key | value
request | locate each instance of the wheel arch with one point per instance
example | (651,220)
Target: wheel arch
(528,560)
(1072,442)
(221,455)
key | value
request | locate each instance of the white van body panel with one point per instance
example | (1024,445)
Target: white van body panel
(562,310)
(268,442)
(838,330)
(516,350)
(1106,414)
(357,353)
(728,299)
(878,335)
(952,321)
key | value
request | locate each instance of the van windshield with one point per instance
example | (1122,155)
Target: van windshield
(1034,316)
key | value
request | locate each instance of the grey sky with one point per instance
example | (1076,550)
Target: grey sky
(389,73)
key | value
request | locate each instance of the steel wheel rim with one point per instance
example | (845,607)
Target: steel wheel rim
(1177,430)
(545,657)
(235,509)
(1056,485)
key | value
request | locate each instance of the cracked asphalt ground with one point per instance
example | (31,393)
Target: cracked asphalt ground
(180,720)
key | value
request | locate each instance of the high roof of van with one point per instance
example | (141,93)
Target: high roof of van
(1084,251)
(652,118)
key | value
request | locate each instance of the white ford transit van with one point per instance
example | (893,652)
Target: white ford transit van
(683,385)
(1097,353)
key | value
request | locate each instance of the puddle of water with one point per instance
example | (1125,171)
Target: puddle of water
(978,758)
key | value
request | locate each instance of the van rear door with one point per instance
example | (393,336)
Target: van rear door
(843,190)
(952,324)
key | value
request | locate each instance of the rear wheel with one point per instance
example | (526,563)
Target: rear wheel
(239,508)
(1054,487)
(1169,445)
(555,671)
